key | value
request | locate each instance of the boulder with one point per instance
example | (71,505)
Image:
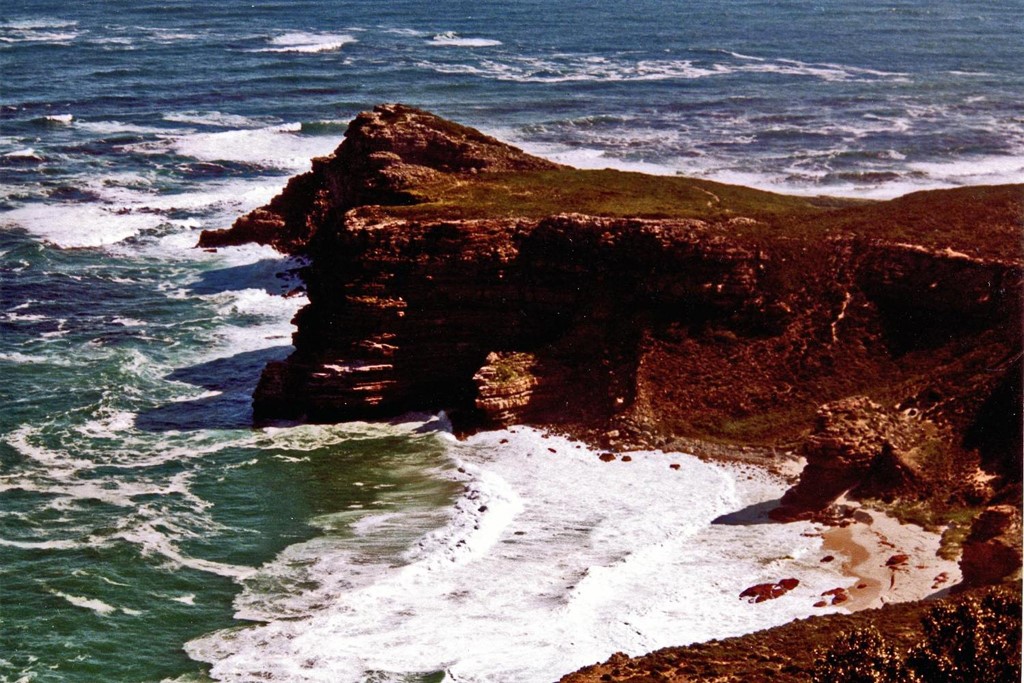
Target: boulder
(992,551)
(769,591)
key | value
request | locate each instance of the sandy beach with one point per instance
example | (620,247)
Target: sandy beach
(886,561)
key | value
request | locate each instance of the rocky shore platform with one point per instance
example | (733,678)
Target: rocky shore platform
(880,341)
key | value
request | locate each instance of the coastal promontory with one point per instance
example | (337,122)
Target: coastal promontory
(879,340)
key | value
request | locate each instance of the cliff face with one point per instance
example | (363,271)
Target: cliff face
(406,312)
(451,271)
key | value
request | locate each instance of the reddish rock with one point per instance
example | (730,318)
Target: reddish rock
(385,154)
(838,595)
(674,466)
(607,457)
(897,561)
(769,591)
(627,458)
(853,440)
(827,558)
(992,550)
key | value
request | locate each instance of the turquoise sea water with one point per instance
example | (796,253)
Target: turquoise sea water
(138,510)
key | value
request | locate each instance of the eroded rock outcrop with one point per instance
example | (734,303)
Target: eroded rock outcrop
(855,444)
(407,312)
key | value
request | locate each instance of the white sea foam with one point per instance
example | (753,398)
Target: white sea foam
(824,71)
(547,561)
(308,42)
(404,32)
(582,67)
(108,424)
(452,39)
(573,68)
(53,31)
(26,153)
(591,158)
(132,205)
(273,147)
(802,176)
(37,23)
(40,545)
(172,35)
(975,171)
(118,127)
(79,225)
(122,41)
(153,541)
(18,357)
(214,118)
(94,604)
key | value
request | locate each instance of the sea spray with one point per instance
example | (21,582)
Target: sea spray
(547,559)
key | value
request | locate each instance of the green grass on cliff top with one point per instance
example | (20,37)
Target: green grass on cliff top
(981,221)
(606,192)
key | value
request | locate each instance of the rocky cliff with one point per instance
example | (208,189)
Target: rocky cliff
(881,340)
(649,308)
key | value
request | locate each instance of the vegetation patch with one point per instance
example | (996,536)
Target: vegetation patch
(975,641)
(509,368)
(980,221)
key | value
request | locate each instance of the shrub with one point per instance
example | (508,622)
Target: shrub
(975,641)
(970,641)
(861,656)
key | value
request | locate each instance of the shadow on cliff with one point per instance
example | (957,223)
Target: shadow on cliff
(233,377)
(274,276)
(750,515)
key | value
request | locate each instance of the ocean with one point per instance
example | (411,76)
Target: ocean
(148,533)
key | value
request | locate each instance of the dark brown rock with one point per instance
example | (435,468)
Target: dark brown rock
(838,595)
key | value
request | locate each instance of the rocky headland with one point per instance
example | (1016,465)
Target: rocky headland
(880,341)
